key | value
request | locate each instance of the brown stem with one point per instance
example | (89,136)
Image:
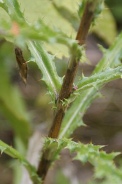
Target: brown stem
(67,85)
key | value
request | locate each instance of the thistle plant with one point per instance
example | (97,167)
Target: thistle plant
(71,98)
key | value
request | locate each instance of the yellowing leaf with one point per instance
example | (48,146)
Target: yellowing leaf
(45,10)
(105,26)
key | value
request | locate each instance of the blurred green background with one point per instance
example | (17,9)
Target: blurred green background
(29,105)
(116,9)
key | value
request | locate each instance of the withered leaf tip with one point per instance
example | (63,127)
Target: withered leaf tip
(22,64)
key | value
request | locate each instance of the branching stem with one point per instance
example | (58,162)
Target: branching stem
(67,85)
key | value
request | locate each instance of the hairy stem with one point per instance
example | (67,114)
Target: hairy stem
(67,85)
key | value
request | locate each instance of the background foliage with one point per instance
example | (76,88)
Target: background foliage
(18,120)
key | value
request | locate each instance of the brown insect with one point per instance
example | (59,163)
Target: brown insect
(22,64)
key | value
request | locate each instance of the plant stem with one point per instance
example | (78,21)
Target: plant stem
(67,85)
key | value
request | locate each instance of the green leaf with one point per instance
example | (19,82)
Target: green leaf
(94,80)
(112,56)
(45,25)
(51,145)
(45,11)
(18,30)
(83,100)
(103,162)
(11,103)
(101,24)
(16,155)
(46,64)
(13,9)
(73,117)
(102,78)
(68,12)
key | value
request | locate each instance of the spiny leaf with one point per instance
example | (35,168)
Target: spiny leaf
(102,77)
(42,29)
(51,145)
(83,100)
(16,155)
(112,56)
(21,30)
(73,117)
(102,161)
(46,65)
(13,9)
